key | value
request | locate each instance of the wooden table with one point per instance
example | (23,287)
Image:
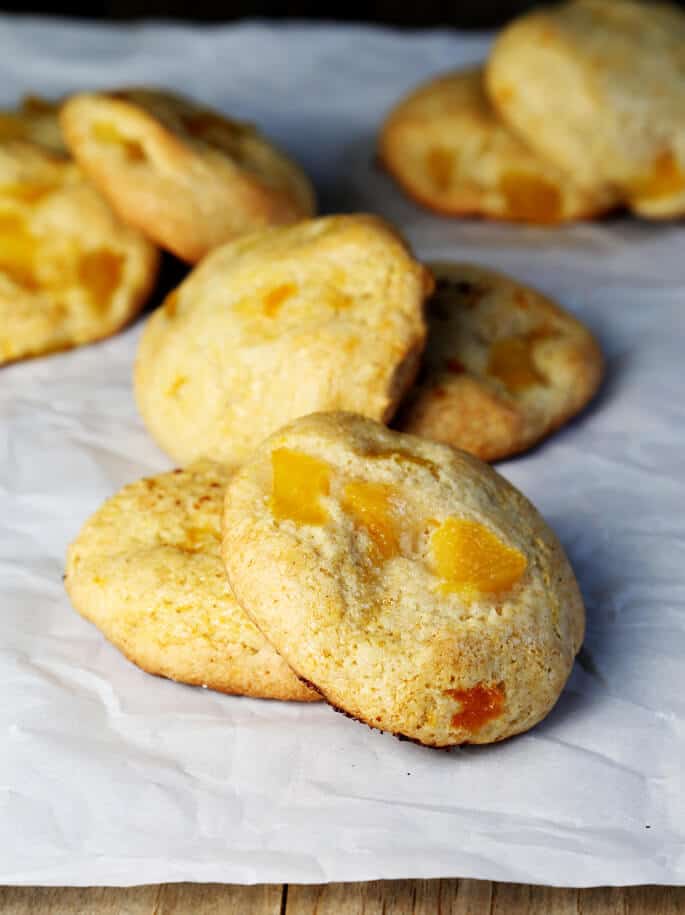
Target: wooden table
(397,897)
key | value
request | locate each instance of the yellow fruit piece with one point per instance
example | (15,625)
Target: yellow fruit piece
(479,705)
(530,199)
(17,251)
(112,136)
(299,482)
(170,304)
(276,297)
(100,272)
(469,558)
(667,178)
(176,385)
(371,507)
(511,361)
(439,164)
(24,192)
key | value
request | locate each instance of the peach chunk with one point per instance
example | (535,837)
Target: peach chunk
(439,165)
(299,482)
(470,558)
(511,360)
(666,178)
(17,251)
(27,192)
(479,705)
(370,505)
(100,272)
(276,297)
(530,199)
(110,135)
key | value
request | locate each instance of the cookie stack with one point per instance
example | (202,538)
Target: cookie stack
(579,110)
(90,188)
(306,550)
(332,531)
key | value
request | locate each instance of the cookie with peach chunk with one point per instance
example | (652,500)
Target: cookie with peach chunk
(187,176)
(504,365)
(70,271)
(408,582)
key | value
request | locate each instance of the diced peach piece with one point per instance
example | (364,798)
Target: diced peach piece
(666,178)
(511,361)
(112,136)
(100,272)
(439,165)
(371,507)
(17,251)
(26,192)
(276,297)
(299,483)
(479,705)
(531,199)
(470,559)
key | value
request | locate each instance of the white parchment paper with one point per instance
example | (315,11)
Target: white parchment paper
(108,776)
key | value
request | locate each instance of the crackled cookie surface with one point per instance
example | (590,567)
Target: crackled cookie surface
(324,315)
(409,582)
(70,271)
(447,147)
(146,569)
(34,121)
(504,366)
(187,176)
(598,87)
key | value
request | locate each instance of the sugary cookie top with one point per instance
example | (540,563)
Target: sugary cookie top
(326,314)
(391,571)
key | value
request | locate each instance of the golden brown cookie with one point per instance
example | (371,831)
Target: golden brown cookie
(409,582)
(70,271)
(188,177)
(146,570)
(598,87)
(504,366)
(35,121)
(326,314)
(448,149)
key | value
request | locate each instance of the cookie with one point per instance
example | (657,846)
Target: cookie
(188,177)
(324,315)
(448,149)
(146,569)
(35,121)
(504,366)
(70,271)
(598,87)
(414,587)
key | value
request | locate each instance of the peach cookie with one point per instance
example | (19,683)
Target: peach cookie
(35,121)
(414,587)
(185,175)
(324,315)
(598,88)
(70,272)
(446,146)
(504,366)
(146,569)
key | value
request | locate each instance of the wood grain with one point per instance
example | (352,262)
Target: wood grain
(394,897)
